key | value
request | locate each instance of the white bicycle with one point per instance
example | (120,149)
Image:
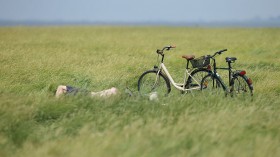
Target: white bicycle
(159,79)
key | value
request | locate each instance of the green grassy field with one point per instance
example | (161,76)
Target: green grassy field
(35,60)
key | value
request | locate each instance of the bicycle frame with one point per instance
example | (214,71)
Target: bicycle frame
(179,86)
(230,75)
(217,76)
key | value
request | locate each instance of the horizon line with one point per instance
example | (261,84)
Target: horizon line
(272,22)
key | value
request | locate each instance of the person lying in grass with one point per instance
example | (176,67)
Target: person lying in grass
(64,90)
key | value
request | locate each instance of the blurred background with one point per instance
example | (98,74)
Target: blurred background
(145,12)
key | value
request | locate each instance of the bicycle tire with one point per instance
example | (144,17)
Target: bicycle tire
(211,84)
(198,75)
(240,86)
(148,83)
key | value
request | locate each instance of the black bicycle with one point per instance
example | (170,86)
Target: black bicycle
(239,83)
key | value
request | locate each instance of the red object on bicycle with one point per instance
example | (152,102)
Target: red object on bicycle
(250,81)
(209,67)
(242,73)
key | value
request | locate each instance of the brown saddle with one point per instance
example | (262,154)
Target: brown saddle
(188,57)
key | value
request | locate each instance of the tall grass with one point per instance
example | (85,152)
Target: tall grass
(35,60)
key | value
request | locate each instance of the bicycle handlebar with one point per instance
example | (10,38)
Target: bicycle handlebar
(218,52)
(173,46)
(165,48)
(168,47)
(221,51)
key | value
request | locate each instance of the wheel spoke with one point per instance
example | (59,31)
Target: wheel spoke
(150,82)
(195,78)
(241,87)
(211,85)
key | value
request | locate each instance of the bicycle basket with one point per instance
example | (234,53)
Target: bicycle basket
(200,62)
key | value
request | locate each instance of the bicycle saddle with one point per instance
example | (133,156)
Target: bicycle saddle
(188,57)
(230,59)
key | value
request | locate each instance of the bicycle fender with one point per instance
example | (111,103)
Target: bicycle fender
(247,79)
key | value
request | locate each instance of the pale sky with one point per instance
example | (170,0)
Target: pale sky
(138,10)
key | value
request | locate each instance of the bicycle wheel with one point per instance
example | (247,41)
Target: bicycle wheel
(150,82)
(242,86)
(212,85)
(196,77)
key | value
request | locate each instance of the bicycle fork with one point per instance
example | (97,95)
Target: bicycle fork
(156,80)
